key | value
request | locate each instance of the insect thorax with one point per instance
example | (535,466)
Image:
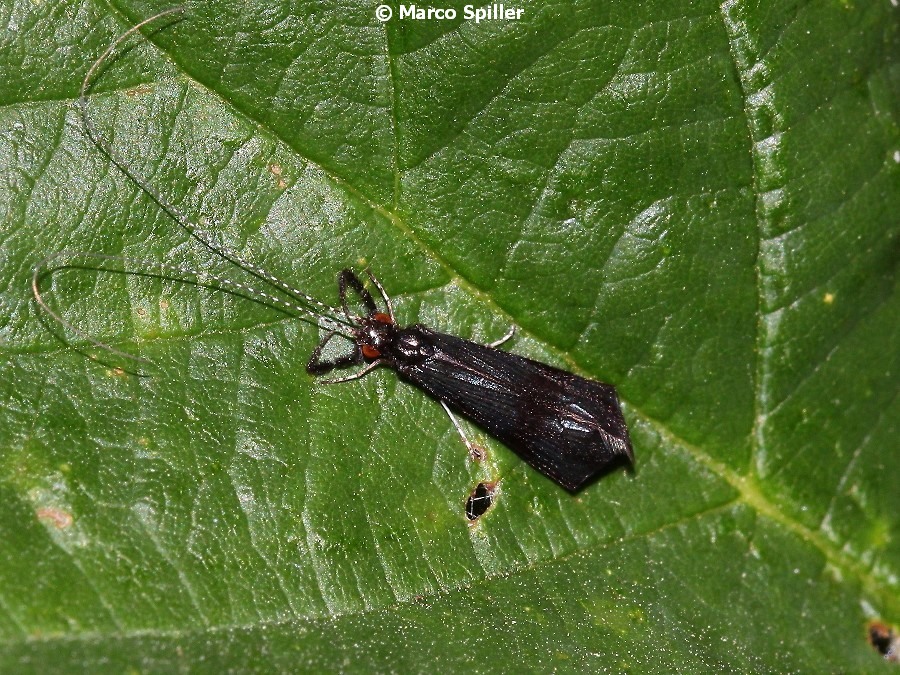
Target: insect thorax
(412,344)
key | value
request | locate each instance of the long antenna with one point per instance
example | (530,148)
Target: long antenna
(203,279)
(327,311)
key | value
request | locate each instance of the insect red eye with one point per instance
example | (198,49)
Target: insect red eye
(382,318)
(370,352)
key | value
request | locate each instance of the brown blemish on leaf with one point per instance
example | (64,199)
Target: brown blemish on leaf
(276,170)
(115,372)
(141,311)
(164,305)
(57,517)
(143,441)
(141,89)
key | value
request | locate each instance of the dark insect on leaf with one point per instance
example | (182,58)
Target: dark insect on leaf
(569,428)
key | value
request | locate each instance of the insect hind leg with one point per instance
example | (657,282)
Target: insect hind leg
(475,453)
(506,338)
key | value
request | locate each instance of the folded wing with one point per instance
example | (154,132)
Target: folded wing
(567,427)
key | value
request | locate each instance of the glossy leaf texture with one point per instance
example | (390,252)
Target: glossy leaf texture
(695,201)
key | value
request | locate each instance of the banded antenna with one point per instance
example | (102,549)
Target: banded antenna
(302,305)
(168,271)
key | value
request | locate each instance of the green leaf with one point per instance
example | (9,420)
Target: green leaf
(694,201)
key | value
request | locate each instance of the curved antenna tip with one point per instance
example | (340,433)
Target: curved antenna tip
(39,299)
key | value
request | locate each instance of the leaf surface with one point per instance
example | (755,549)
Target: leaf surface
(696,202)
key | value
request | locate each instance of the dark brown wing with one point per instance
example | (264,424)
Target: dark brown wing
(567,427)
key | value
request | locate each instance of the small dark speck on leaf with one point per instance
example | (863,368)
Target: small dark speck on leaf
(57,517)
(480,500)
(885,640)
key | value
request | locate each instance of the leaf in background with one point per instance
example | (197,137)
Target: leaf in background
(696,202)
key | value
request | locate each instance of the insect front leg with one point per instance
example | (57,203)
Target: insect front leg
(384,296)
(319,366)
(357,375)
(347,278)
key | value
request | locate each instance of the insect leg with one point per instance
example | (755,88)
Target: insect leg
(505,338)
(384,295)
(317,366)
(348,278)
(357,375)
(476,453)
